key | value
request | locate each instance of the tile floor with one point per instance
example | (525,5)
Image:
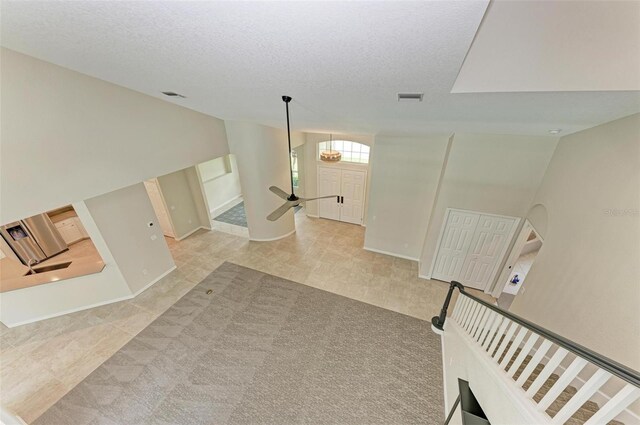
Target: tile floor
(40,362)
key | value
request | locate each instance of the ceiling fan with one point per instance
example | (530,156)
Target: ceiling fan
(291,199)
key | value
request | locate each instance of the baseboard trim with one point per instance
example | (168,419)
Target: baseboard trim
(225,206)
(273,239)
(190,233)
(379,251)
(312,215)
(98,304)
(153,282)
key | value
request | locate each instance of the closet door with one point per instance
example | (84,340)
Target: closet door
(488,247)
(352,196)
(454,245)
(328,184)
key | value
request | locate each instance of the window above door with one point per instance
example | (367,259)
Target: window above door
(353,152)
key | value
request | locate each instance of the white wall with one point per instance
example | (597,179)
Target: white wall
(185,203)
(67,136)
(221,183)
(497,174)
(405,173)
(584,283)
(263,161)
(140,251)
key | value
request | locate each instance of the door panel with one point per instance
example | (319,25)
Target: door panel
(454,245)
(486,250)
(352,192)
(328,184)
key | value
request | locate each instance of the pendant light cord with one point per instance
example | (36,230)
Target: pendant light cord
(286,101)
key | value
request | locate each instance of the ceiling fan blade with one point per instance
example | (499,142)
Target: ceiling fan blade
(281,193)
(320,197)
(280,211)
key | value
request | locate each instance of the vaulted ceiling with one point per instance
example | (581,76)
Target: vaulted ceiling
(345,62)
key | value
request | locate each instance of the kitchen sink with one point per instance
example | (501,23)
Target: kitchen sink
(50,268)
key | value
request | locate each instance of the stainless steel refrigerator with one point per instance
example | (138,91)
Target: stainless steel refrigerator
(34,239)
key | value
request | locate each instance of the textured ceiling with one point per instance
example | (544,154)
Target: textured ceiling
(554,46)
(342,62)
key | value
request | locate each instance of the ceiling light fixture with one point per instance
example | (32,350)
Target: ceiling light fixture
(173,94)
(330,155)
(555,131)
(410,97)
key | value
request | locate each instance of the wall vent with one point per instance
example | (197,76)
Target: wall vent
(173,94)
(410,97)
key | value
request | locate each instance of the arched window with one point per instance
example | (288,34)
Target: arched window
(351,151)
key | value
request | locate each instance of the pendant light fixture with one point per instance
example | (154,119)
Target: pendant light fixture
(330,155)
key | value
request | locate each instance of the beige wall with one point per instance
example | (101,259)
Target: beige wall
(405,174)
(67,136)
(185,203)
(263,161)
(497,174)
(139,251)
(221,182)
(585,283)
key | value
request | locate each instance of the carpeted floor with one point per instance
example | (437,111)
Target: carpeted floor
(263,350)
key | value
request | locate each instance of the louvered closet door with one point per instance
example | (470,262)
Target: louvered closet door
(487,248)
(328,184)
(454,245)
(352,196)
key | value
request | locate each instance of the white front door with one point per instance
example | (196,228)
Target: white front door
(329,184)
(454,245)
(352,196)
(487,248)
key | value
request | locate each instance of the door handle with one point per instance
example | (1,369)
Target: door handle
(342,199)
(338,198)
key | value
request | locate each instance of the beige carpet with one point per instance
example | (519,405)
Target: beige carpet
(261,349)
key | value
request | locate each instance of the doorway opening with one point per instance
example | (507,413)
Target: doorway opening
(523,255)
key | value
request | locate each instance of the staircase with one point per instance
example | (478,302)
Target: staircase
(584,413)
(543,377)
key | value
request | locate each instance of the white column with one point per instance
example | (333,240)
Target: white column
(262,155)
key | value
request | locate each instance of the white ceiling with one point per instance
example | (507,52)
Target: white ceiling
(554,46)
(342,62)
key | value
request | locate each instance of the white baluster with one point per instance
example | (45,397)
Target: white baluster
(467,308)
(507,337)
(514,346)
(476,323)
(548,369)
(492,331)
(590,387)
(472,315)
(563,382)
(469,313)
(496,339)
(526,349)
(480,328)
(491,318)
(615,405)
(535,360)
(460,302)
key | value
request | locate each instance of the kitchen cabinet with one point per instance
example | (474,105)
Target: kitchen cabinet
(71,230)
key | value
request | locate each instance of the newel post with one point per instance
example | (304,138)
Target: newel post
(437,322)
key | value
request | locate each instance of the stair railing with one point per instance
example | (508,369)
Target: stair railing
(500,334)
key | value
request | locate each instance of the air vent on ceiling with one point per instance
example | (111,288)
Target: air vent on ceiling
(173,94)
(410,97)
